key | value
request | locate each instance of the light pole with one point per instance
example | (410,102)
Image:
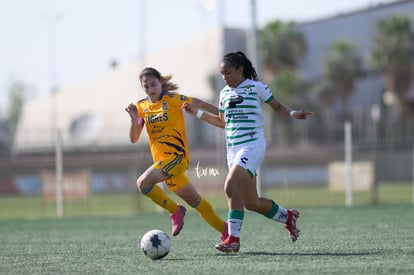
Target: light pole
(142,49)
(252,46)
(253,52)
(51,22)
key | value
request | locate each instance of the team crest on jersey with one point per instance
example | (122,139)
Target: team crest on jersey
(248,89)
(165,106)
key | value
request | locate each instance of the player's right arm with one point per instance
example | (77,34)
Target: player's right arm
(137,123)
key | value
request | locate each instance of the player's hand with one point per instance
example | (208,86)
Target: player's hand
(189,108)
(132,111)
(302,114)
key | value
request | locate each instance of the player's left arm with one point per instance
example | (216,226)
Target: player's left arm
(287,111)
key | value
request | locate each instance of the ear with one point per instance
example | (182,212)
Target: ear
(240,70)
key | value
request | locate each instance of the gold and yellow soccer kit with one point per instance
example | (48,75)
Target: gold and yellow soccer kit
(164,121)
(165,125)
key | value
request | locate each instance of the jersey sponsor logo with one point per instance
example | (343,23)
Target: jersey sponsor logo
(165,106)
(157,130)
(240,117)
(183,98)
(157,118)
(234,100)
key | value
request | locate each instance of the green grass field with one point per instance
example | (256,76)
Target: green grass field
(104,238)
(334,240)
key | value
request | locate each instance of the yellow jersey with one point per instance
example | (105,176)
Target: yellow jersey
(165,125)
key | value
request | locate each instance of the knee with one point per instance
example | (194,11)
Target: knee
(142,184)
(228,189)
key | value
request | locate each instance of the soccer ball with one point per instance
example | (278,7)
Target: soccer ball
(155,244)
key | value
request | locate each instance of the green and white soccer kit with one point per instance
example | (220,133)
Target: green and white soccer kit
(243,112)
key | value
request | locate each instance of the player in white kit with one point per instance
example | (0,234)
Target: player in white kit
(241,115)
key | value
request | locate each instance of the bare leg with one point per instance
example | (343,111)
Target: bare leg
(150,177)
(147,184)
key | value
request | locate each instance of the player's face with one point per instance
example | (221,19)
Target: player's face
(152,87)
(231,75)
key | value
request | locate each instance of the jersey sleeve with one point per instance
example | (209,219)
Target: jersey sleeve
(139,108)
(184,98)
(265,93)
(221,102)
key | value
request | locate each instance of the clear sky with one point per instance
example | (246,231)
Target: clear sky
(89,34)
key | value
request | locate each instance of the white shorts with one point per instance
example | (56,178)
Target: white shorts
(248,155)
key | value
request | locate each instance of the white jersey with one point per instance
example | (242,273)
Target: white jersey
(243,111)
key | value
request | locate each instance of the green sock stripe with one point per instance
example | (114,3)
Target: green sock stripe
(235,214)
(273,211)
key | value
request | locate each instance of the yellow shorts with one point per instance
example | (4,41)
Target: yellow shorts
(174,166)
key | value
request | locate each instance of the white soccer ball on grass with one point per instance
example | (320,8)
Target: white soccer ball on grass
(155,244)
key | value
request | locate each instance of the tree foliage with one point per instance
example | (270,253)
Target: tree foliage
(281,45)
(341,67)
(393,53)
(16,93)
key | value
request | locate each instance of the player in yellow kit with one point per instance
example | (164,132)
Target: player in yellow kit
(163,118)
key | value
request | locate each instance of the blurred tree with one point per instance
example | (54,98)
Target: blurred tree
(325,97)
(4,136)
(341,67)
(289,87)
(393,54)
(17,93)
(289,90)
(281,46)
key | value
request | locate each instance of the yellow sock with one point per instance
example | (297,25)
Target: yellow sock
(157,195)
(207,212)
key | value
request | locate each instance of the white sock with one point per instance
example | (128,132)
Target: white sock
(281,215)
(235,227)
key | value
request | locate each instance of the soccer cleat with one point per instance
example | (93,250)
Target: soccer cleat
(177,220)
(290,225)
(225,232)
(231,244)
